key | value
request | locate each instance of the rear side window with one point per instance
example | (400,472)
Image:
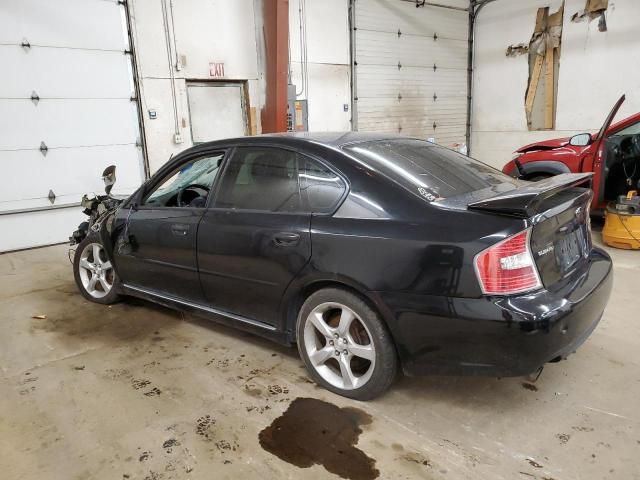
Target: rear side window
(428,170)
(259,178)
(322,187)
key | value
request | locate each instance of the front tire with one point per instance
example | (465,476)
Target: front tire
(536,177)
(94,272)
(345,345)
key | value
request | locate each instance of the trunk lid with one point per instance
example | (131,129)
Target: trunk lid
(558,211)
(561,236)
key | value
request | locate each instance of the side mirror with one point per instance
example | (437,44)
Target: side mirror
(109,178)
(580,140)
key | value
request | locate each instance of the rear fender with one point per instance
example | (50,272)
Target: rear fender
(309,281)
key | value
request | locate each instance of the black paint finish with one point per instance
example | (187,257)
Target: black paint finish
(164,258)
(247,259)
(412,259)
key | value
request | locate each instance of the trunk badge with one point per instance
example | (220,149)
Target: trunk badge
(546,250)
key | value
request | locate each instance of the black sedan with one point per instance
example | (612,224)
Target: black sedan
(372,253)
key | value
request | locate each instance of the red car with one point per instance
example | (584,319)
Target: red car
(612,154)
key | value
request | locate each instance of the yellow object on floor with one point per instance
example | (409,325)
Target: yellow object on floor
(621,230)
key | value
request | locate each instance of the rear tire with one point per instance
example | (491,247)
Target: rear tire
(345,345)
(94,272)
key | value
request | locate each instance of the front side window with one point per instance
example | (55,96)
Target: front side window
(261,178)
(633,129)
(187,186)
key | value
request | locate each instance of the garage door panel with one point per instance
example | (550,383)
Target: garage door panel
(424,109)
(67,123)
(76,64)
(416,119)
(446,136)
(397,114)
(397,89)
(55,23)
(375,81)
(46,71)
(374,107)
(68,172)
(427,20)
(389,49)
(26,230)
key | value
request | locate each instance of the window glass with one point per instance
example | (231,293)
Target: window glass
(630,130)
(259,178)
(187,186)
(323,188)
(426,169)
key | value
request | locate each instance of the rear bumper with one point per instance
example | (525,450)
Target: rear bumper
(498,336)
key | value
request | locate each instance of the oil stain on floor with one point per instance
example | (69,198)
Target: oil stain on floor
(315,432)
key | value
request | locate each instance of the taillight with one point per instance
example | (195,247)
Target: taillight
(508,267)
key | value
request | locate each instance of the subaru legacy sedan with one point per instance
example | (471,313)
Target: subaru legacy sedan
(374,254)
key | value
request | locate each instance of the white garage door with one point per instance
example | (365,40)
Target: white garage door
(66,112)
(411,70)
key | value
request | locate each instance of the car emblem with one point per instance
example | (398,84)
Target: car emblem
(546,250)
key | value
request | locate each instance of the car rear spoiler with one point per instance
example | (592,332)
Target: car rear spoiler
(524,202)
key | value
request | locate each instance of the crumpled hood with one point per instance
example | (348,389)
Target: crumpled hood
(545,145)
(553,144)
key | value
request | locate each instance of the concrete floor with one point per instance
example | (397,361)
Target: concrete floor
(142,392)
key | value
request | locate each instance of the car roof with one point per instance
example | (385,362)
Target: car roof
(328,139)
(335,139)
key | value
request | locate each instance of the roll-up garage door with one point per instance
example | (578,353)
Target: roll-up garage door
(411,70)
(67,110)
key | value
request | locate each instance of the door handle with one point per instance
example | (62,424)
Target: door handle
(180,229)
(286,239)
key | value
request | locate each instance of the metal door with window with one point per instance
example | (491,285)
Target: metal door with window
(162,231)
(217,110)
(256,237)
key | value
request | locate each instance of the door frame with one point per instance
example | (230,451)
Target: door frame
(244,99)
(124,215)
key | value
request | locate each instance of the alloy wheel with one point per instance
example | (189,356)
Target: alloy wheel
(339,346)
(96,271)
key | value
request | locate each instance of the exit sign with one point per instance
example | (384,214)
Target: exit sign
(216,70)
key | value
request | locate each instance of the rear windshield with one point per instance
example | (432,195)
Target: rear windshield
(426,169)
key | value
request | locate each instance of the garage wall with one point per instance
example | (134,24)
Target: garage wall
(201,32)
(66,112)
(595,69)
(411,69)
(328,91)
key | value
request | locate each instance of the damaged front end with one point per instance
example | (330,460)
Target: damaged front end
(101,211)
